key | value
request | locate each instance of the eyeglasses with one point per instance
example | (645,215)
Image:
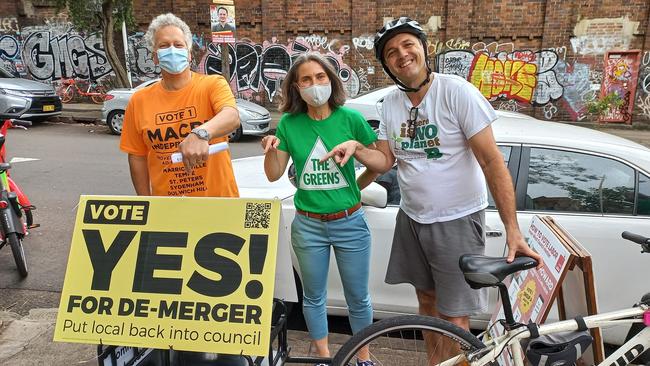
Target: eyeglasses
(413,116)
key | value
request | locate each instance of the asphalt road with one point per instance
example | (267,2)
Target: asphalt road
(71,160)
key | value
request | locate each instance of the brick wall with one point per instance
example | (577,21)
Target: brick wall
(572,34)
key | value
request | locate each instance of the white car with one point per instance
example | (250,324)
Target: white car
(369,104)
(255,119)
(594,184)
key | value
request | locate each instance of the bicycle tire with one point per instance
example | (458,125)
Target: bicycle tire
(398,341)
(18,251)
(68,94)
(99,99)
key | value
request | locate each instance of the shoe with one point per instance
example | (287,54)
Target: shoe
(365,363)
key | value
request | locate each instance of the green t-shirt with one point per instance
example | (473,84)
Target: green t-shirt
(323,187)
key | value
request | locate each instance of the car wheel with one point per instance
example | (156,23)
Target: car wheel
(115,120)
(235,135)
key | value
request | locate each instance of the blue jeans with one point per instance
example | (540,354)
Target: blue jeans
(350,238)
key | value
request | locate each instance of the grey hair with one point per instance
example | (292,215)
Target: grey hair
(164,20)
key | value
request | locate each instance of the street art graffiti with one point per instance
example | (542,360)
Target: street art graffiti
(141,59)
(511,78)
(48,56)
(549,110)
(8,24)
(559,80)
(364,42)
(620,77)
(457,62)
(644,104)
(9,47)
(577,87)
(598,44)
(262,67)
(523,75)
(436,47)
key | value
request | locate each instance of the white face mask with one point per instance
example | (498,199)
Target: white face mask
(316,95)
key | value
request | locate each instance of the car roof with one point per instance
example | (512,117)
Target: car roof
(372,96)
(518,128)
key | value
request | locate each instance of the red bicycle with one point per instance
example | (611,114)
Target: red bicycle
(16,216)
(69,87)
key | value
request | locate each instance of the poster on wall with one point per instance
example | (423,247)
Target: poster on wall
(620,76)
(222,21)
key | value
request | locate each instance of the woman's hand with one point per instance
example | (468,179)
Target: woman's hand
(270,143)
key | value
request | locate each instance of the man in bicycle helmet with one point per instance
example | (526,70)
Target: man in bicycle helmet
(437,128)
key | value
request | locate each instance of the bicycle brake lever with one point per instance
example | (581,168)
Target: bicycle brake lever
(21,127)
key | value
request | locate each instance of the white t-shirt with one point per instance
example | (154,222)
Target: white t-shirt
(439,176)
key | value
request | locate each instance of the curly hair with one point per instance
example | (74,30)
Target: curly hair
(164,20)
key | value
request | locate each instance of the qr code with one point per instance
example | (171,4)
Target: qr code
(258,215)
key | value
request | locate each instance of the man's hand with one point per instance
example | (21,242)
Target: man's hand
(517,247)
(270,143)
(194,151)
(342,152)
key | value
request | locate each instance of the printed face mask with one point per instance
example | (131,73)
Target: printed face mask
(316,95)
(173,60)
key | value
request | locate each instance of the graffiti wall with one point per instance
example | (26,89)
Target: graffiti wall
(558,82)
(260,68)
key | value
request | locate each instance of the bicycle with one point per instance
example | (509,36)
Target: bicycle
(69,87)
(452,345)
(16,216)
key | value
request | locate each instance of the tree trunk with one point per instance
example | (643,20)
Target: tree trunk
(108,25)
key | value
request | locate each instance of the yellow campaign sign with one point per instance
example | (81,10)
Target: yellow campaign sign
(195,274)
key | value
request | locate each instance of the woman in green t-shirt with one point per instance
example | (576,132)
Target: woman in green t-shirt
(328,207)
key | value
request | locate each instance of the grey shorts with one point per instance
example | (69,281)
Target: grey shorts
(426,256)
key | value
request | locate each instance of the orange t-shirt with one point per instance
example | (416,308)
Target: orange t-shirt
(157,120)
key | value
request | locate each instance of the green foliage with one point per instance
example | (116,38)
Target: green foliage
(87,15)
(601,105)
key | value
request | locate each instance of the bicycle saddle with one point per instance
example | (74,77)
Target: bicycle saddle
(482,271)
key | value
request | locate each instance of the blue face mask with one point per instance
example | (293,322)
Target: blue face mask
(173,60)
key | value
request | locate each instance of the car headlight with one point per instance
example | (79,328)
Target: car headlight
(253,114)
(19,93)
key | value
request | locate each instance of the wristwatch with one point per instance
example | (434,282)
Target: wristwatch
(201,133)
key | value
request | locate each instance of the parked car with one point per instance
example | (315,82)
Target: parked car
(369,104)
(594,184)
(27,99)
(255,119)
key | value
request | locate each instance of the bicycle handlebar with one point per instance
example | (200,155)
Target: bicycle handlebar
(639,239)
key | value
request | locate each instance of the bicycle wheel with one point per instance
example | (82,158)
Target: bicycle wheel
(18,251)
(400,341)
(67,95)
(99,98)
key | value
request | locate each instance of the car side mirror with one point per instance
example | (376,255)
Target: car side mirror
(374,195)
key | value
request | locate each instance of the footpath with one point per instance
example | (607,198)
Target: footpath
(27,340)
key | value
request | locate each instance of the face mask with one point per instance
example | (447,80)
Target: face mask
(173,60)
(316,95)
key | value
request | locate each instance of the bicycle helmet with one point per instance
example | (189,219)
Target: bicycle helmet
(391,29)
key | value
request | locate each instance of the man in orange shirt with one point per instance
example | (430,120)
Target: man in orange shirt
(183,112)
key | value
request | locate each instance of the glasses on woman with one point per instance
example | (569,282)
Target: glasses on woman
(413,116)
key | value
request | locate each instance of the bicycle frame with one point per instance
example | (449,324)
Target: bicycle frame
(511,339)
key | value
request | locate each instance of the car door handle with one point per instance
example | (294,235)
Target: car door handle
(493,233)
